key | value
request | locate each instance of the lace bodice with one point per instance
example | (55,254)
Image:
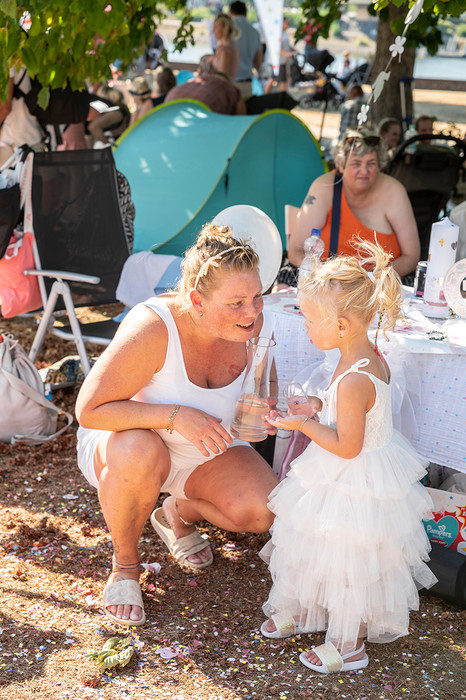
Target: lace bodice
(379,428)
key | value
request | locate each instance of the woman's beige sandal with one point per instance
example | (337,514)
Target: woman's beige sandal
(183,547)
(333,661)
(285,626)
(124,592)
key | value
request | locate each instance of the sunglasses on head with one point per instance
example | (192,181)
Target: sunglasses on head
(368,140)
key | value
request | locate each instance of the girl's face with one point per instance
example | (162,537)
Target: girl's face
(321,330)
(232,307)
(392,136)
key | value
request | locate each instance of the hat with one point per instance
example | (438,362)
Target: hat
(140,87)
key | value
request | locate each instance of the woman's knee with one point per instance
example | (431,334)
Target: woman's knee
(251,515)
(138,453)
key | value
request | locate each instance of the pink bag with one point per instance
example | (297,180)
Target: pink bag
(19,293)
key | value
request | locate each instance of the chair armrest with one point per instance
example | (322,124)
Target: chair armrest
(60,275)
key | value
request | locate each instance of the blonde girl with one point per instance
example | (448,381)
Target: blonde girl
(348,546)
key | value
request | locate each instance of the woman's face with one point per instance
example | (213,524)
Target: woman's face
(233,305)
(220,30)
(361,171)
(392,136)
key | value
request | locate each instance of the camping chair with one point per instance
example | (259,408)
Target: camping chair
(80,242)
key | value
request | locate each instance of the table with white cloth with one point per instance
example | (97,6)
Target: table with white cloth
(439,402)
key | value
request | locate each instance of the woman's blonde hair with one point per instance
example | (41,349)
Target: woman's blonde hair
(358,286)
(227,21)
(214,250)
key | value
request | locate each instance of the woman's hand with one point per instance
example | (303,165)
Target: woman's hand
(204,431)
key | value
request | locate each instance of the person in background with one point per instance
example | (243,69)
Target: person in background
(109,125)
(226,56)
(350,109)
(212,88)
(141,93)
(154,51)
(425,125)
(286,52)
(334,562)
(374,206)
(164,81)
(17,125)
(346,67)
(390,130)
(249,46)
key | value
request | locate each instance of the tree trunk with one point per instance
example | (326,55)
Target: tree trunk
(389,103)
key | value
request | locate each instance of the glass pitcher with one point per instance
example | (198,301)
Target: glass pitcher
(254,401)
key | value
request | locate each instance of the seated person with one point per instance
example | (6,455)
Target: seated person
(373,205)
(350,108)
(156,412)
(390,131)
(164,81)
(109,125)
(425,125)
(212,88)
(140,91)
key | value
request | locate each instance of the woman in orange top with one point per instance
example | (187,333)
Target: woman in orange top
(372,205)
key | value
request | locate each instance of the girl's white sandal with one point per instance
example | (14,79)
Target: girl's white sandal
(333,661)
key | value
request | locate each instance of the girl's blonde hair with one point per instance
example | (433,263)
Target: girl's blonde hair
(359,286)
(214,250)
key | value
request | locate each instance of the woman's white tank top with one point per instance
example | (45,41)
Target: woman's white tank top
(171,385)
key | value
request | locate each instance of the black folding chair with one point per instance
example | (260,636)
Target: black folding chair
(80,242)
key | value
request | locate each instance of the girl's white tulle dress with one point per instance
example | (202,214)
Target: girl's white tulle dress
(348,545)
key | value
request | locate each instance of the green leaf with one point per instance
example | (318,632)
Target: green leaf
(30,60)
(9,8)
(43,97)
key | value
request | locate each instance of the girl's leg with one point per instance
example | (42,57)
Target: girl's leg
(131,466)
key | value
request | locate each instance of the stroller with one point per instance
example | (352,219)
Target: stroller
(430,174)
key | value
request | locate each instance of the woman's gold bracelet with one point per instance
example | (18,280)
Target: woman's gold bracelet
(171,418)
(304,421)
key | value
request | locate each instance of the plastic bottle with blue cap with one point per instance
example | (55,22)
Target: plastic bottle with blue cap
(314,246)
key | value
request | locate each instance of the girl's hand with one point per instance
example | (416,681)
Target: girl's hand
(204,431)
(265,420)
(277,420)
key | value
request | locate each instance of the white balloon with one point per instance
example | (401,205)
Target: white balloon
(254,226)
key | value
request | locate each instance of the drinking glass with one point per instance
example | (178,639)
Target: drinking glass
(294,396)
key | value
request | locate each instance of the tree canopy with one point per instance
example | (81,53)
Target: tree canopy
(74,40)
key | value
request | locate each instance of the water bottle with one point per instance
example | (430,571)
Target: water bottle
(410,133)
(313,249)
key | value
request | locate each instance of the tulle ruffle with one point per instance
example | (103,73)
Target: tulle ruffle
(348,547)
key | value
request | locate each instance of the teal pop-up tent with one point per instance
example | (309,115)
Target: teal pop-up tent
(185,164)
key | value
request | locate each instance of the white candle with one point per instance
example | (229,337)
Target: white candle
(442,254)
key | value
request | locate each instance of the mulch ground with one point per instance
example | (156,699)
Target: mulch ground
(202,638)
